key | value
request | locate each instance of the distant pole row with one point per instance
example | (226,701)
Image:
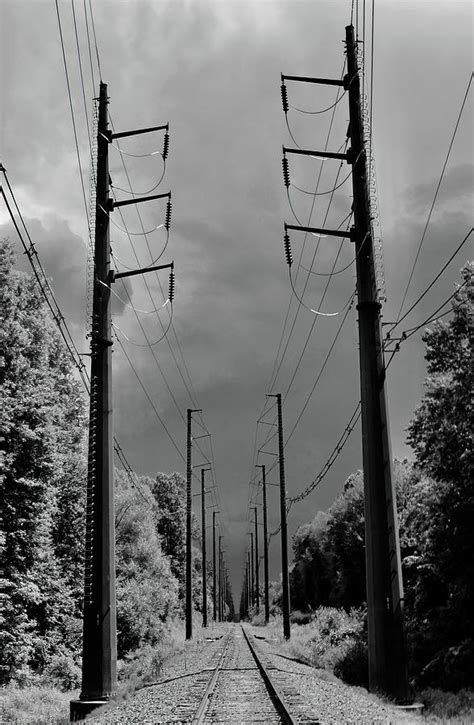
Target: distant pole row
(221,597)
(250,598)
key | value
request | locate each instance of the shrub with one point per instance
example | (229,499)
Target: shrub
(446,705)
(298,617)
(62,672)
(353,666)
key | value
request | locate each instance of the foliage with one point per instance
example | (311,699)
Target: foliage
(435,500)
(447,705)
(329,567)
(170,495)
(442,617)
(42,485)
(41,481)
(147,591)
(326,640)
(36,704)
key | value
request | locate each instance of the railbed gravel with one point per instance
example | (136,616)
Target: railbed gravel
(321,700)
(324,695)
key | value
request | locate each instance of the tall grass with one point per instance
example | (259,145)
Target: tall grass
(35,704)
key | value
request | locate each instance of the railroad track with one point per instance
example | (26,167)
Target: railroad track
(241,689)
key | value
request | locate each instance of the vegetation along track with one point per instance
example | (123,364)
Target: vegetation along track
(241,689)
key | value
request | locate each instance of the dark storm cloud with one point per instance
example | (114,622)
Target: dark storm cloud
(213,70)
(63,256)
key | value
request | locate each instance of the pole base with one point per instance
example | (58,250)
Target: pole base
(415,708)
(80,709)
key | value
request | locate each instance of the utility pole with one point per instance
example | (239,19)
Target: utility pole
(219,598)
(249,584)
(283,525)
(387,657)
(221,572)
(246,592)
(214,573)
(386,636)
(189,474)
(99,646)
(257,583)
(204,563)
(265,545)
(252,569)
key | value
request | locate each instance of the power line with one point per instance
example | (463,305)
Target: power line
(50,299)
(71,107)
(153,406)
(418,300)
(435,195)
(95,39)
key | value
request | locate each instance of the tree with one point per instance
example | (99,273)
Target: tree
(41,481)
(170,495)
(147,590)
(441,436)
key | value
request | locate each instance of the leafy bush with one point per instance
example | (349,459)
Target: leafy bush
(298,617)
(353,667)
(34,705)
(63,672)
(446,705)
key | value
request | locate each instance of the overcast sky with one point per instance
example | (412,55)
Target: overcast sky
(212,69)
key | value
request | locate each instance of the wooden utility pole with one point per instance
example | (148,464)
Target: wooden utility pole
(387,658)
(283,524)
(203,536)
(265,545)
(257,583)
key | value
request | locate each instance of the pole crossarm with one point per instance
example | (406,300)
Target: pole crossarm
(316,230)
(118,275)
(322,81)
(138,131)
(319,154)
(114,204)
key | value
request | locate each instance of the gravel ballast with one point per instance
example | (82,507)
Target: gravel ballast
(319,698)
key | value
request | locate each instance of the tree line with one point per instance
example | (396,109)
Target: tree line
(43,448)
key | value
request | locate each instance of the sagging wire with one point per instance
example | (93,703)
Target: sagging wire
(331,459)
(132,307)
(126,153)
(166,224)
(164,156)
(324,110)
(302,225)
(125,231)
(148,344)
(286,105)
(152,263)
(310,309)
(344,269)
(289,261)
(322,193)
(142,193)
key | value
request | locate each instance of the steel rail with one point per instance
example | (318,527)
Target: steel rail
(199,716)
(275,694)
